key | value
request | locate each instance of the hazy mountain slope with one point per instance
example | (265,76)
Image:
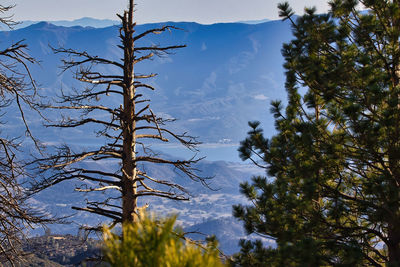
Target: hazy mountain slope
(228,231)
(205,203)
(225,77)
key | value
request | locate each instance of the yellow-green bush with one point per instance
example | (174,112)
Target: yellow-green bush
(154,242)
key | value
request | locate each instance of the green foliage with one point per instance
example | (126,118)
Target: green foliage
(155,242)
(332,196)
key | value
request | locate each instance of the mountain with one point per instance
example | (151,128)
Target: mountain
(84,22)
(226,76)
(99,23)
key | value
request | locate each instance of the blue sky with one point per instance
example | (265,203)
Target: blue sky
(202,11)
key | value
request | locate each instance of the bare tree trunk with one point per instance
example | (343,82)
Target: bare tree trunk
(130,122)
(129,200)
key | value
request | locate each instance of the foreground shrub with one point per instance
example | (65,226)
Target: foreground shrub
(156,242)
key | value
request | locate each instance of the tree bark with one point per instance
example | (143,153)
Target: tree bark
(394,159)
(393,246)
(129,170)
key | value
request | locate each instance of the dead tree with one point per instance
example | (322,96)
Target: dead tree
(17,92)
(131,123)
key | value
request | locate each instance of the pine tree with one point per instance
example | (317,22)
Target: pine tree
(131,123)
(332,192)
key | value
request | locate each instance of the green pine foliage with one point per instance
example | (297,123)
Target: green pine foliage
(332,196)
(154,242)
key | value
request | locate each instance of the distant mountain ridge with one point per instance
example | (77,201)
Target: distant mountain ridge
(83,22)
(99,23)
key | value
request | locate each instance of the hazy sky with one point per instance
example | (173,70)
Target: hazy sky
(202,11)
